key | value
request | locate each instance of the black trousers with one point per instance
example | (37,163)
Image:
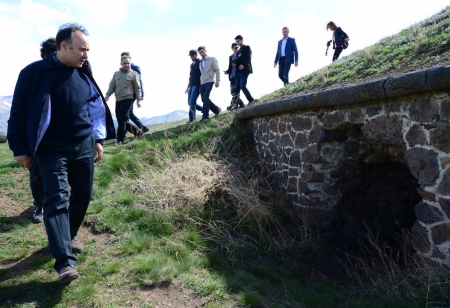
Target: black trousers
(123,115)
(283,70)
(337,53)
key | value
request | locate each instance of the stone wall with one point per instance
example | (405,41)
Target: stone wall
(317,146)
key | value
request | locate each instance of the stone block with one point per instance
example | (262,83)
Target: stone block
(263,128)
(438,78)
(333,121)
(344,96)
(301,141)
(440,233)
(273,125)
(444,186)
(423,165)
(356,116)
(427,213)
(445,161)
(407,84)
(282,126)
(372,90)
(419,236)
(424,110)
(323,99)
(302,101)
(261,109)
(280,106)
(439,138)
(445,110)
(294,172)
(416,136)
(392,107)
(385,129)
(445,206)
(286,141)
(292,185)
(312,177)
(301,123)
(373,110)
(312,154)
(245,113)
(319,134)
(295,159)
(426,195)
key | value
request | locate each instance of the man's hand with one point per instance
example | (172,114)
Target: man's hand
(225,72)
(98,152)
(23,160)
(185,92)
(217,84)
(241,67)
(106,97)
(296,64)
(138,103)
(275,65)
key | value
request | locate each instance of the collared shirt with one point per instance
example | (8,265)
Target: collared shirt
(203,62)
(283,46)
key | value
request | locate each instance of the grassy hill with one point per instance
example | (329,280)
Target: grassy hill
(423,44)
(183,217)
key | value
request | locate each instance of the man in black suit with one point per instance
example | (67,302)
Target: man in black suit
(244,65)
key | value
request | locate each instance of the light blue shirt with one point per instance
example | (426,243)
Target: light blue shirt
(283,47)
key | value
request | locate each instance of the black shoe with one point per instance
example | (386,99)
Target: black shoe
(191,122)
(145,129)
(234,107)
(218,112)
(38,215)
(204,120)
(253,101)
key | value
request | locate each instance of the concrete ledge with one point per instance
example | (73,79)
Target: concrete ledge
(433,79)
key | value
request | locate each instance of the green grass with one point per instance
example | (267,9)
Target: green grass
(420,44)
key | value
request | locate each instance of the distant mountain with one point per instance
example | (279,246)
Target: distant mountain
(170,117)
(5,106)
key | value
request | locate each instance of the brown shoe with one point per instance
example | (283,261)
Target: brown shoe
(77,247)
(67,274)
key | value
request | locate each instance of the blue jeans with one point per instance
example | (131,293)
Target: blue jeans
(205,91)
(193,93)
(283,70)
(123,108)
(65,163)
(241,84)
(36,184)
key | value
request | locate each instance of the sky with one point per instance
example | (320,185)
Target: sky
(160,33)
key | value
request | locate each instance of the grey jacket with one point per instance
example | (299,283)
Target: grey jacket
(123,85)
(211,68)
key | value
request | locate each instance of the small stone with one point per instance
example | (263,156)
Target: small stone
(425,194)
(424,110)
(441,233)
(273,124)
(439,138)
(373,110)
(423,164)
(445,110)
(312,177)
(333,121)
(385,129)
(312,154)
(301,141)
(445,161)
(445,206)
(444,186)
(295,159)
(428,214)
(301,123)
(416,136)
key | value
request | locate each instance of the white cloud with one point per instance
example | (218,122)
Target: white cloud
(220,19)
(39,14)
(259,11)
(163,5)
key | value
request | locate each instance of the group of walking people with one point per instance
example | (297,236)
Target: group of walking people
(59,121)
(203,70)
(205,73)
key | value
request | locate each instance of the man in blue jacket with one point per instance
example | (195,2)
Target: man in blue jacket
(286,55)
(59,115)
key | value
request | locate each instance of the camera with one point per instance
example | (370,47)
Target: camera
(328,43)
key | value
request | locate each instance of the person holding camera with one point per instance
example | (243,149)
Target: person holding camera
(236,101)
(340,39)
(286,55)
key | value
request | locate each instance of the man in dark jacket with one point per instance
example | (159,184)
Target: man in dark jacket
(193,87)
(244,65)
(59,115)
(287,54)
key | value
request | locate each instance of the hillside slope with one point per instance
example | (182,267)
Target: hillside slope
(421,45)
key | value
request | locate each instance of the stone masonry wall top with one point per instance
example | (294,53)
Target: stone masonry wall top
(433,79)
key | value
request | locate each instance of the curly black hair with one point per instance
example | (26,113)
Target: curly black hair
(48,47)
